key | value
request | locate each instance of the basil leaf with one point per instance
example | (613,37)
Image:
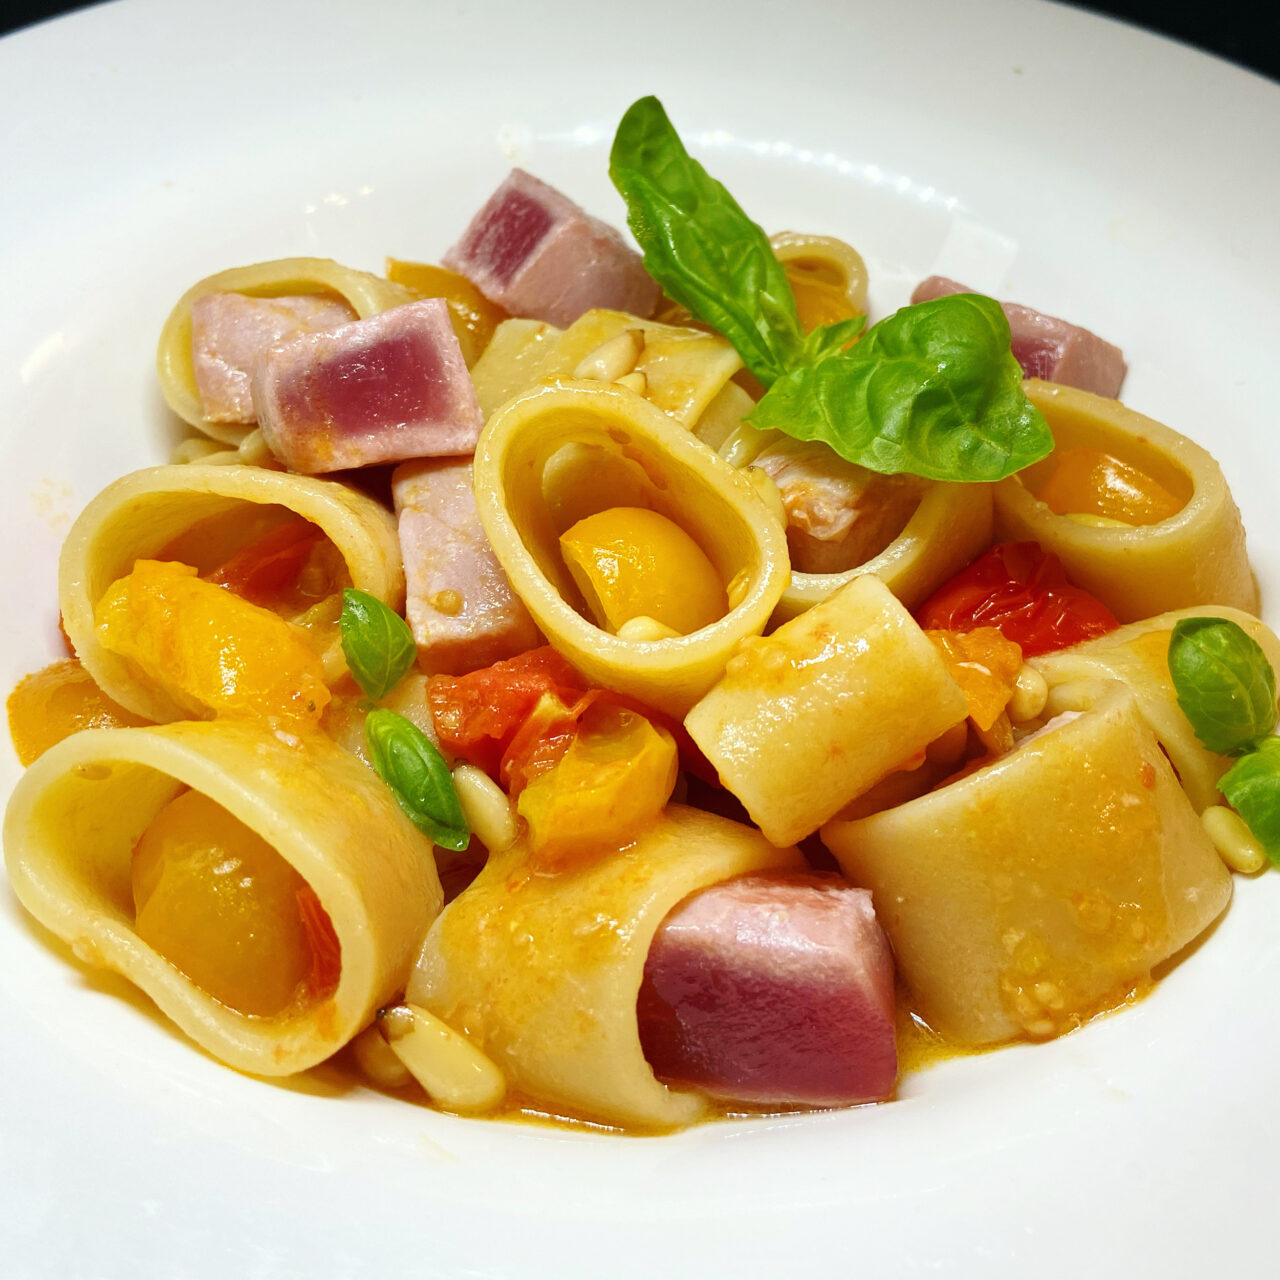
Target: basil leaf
(932,390)
(418,777)
(700,246)
(377,642)
(1224,683)
(1252,786)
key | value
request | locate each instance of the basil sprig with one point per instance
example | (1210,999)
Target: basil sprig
(700,246)
(933,390)
(1227,690)
(376,641)
(418,776)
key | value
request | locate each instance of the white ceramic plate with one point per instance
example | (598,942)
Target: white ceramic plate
(1032,151)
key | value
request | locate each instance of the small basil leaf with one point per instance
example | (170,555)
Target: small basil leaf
(377,642)
(1252,786)
(1224,683)
(700,246)
(418,777)
(932,390)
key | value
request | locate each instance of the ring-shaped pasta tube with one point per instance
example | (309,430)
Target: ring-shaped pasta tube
(949,528)
(552,457)
(1137,656)
(543,971)
(140,514)
(830,260)
(1028,895)
(77,813)
(365,293)
(1196,556)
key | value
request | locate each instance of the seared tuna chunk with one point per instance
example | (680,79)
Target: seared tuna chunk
(533,251)
(460,606)
(773,990)
(391,387)
(230,331)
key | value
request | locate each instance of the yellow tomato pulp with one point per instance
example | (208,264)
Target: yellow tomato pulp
(1088,482)
(212,652)
(224,907)
(630,562)
(55,703)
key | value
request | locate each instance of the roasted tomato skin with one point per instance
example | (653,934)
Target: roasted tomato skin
(1020,589)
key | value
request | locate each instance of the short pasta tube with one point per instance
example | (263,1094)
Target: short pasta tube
(1137,656)
(681,369)
(1027,896)
(202,515)
(74,832)
(543,971)
(817,264)
(556,456)
(1195,556)
(364,293)
(807,719)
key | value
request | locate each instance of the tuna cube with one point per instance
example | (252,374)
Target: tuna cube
(773,990)
(839,515)
(391,387)
(460,606)
(1046,347)
(531,250)
(230,331)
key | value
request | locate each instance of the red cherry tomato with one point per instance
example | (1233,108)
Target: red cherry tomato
(1019,588)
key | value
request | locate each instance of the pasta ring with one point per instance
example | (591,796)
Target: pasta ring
(1195,557)
(634,455)
(78,811)
(139,514)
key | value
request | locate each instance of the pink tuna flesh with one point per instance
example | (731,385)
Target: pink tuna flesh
(839,515)
(460,606)
(773,990)
(1047,347)
(230,331)
(535,253)
(391,387)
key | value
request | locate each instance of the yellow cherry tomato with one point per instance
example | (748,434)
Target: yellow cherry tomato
(985,665)
(210,651)
(1092,483)
(629,562)
(473,316)
(612,782)
(52,704)
(221,905)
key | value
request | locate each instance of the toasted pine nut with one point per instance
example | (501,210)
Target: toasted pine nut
(613,359)
(486,807)
(634,381)
(374,1057)
(643,628)
(447,1065)
(1030,693)
(1235,843)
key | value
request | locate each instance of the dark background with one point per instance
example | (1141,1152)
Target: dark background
(1245,31)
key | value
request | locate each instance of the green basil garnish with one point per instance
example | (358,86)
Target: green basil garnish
(1252,787)
(933,390)
(1224,683)
(700,246)
(418,776)
(377,642)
